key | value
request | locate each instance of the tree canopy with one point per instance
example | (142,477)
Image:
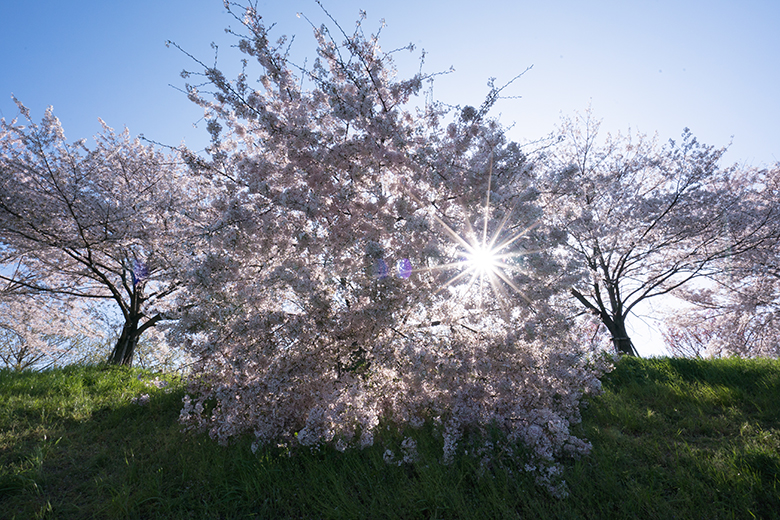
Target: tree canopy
(644,220)
(370,260)
(108,222)
(738,311)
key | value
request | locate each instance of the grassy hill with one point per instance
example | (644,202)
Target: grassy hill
(673,438)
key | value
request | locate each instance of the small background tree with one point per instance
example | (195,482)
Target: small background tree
(38,332)
(107,223)
(644,220)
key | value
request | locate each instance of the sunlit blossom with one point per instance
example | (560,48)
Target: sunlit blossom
(485,259)
(348,204)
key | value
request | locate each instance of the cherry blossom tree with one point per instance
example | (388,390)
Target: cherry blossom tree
(106,223)
(371,260)
(692,335)
(39,332)
(738,311)
(644,220)
(734,319)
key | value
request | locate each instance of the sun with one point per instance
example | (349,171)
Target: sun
(485,262)
(482,260)
(485,259)
(487,254)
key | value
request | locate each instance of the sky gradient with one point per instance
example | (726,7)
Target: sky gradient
(649,65)
(654,66)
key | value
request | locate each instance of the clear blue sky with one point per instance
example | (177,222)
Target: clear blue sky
(661,65)
(652,65)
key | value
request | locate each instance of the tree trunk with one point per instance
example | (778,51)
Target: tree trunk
(124,350)
(623,343)
(126,344)
(615,323)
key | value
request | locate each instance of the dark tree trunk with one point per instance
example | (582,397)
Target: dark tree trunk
(125,347)
(126,344)
(614,321)
(620,338)
(124,350)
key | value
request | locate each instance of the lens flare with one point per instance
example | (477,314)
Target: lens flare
(404,268)
(486,259)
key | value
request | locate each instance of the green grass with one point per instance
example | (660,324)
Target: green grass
(673,438)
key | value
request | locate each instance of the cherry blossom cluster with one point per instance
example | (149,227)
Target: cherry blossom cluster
(736,310)
(329,297)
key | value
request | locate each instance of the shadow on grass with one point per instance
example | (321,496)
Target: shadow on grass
(672,438)
(684,438)
(745,374)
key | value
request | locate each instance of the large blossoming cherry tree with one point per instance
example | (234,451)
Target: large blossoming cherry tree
(370,259)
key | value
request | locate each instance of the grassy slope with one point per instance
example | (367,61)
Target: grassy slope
(672,439)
